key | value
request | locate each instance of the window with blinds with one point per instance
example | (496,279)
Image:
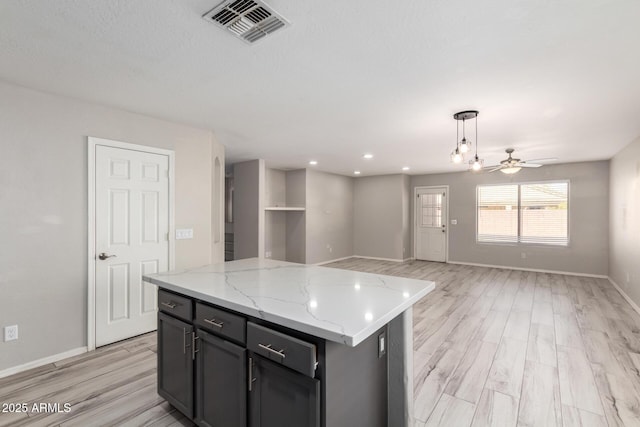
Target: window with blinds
(524,213)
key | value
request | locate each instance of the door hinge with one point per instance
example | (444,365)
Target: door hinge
(444,194)
(167,237)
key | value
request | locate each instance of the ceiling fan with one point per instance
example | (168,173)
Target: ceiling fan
(510,165)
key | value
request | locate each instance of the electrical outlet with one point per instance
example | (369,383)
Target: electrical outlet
(10,333)
(382,344)
(267,254)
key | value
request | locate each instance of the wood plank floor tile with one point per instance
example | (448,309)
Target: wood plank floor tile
(574,417)
(469,377)
(540,403)
(507,369)
(542,294)
(590,317)
(619,396)
(524,299)
(492,327)
(542,313)
(496,410)
(542,345)
(567,331)
(451,412)
(562,304)
(430,382)
(464,331)
(518,325)
(577,385)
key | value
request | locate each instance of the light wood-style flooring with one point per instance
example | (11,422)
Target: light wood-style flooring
(492,347)
(498,347)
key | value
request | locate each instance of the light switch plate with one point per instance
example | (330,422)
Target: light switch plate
(184,233)
(454,222)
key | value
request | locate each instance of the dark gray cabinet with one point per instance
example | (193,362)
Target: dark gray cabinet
(175,362)
(221,382)
(281,397)
(224,369)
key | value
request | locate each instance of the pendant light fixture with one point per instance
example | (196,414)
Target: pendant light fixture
(464,145)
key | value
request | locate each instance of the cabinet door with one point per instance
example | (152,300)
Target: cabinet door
(281,397)
(221,382)
(175,363)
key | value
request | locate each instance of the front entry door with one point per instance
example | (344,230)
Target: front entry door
(431,224)
(132,232)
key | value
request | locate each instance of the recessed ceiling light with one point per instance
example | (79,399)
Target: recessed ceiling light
(406,168)
(313,162)
(368,156)
(356,172)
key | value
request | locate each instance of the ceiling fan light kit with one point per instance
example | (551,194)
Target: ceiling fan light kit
(464,145)
(512,165)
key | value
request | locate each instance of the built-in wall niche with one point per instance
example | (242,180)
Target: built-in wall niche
(284,210)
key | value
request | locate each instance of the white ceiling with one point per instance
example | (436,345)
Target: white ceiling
(551,78)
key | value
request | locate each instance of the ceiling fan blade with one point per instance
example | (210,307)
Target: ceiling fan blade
(546,159)
(495,168)
(528,165)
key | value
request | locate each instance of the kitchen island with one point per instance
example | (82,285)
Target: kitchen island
(261,342)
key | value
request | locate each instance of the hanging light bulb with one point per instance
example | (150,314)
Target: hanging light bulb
(476,164)
(464,145)
(456,156)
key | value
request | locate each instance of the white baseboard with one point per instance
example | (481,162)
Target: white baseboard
(333,260)
(625,296)
(41,362)
(537,270)
(378,258)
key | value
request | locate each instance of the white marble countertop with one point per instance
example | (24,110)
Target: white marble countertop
(338,305)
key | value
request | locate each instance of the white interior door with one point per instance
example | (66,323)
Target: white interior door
(132,232)
(431,224)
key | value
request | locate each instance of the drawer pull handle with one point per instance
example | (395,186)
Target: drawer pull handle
(214,323)
(268,348)
(168,304)
(251,379)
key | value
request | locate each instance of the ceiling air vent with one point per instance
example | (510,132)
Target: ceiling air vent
(249,20)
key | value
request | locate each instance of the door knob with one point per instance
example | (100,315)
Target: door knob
(104,256)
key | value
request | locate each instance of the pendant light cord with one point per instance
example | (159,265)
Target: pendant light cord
(476,135)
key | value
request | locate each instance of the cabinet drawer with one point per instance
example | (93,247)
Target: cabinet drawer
(176,305)
(283,349)
(221,322)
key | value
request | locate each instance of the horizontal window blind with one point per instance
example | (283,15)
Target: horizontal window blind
(543,213)
(525,213)
(498,213)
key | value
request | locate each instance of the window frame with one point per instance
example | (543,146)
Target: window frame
(518,243)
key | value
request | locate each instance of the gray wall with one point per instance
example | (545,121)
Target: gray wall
(329,216)
(380,227)
(588,218)
(43,219)
(406,217)
(624,220)
(248,217)
(296,182)
(275,225)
